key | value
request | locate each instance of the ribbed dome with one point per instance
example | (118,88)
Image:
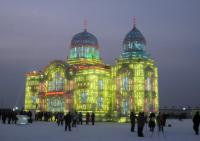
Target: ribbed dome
(84,45)
(133,40)
(84,39)
(134,45)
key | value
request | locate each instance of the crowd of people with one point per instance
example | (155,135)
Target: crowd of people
(72,119)
(10,116)
(152,120)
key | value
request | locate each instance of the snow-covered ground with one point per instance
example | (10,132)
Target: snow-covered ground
(48,131)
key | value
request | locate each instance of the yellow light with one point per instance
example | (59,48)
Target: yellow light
(122,120)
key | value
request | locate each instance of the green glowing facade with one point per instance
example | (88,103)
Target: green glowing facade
(84,83)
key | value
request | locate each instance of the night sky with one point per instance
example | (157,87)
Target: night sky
(35,32)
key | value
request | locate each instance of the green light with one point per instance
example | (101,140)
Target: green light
(87,52)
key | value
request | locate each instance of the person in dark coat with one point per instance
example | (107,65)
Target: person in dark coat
(159,120)
(132,119)
(80,118)
(14,117)
(93,118)
(30,116)
(164,119)
(152,123)
(87,118)
(59,118)
(74,119)
(4,117)
(141,122)
(9,117)
(62,118)
(68,120)
(196,121)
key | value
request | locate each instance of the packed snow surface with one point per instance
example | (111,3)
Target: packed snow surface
(106,131)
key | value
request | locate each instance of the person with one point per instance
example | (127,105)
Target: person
(196,121)
(62,118)
(152,123)
(30,116)
(9,116)
(80,117)
(164,119)
(141,121)
(59,118)
(87,118)
(159,120)
(14,117)
(132,119)
(4,117)
(68,119)
(74,119)
(93,118)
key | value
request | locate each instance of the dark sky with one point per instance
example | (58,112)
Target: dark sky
(34,32)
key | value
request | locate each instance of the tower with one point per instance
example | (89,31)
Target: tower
(135,76)
(91,79)
(31,90)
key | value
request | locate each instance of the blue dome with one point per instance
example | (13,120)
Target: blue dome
(84,39)
(84,45)
(134,45)
(134,40)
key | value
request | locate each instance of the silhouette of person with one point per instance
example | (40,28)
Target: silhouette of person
(93,118)
(74,119)
(87,118)
(152,123)
(196,121)
(80,117)
(159,120)
(68,120)
(132,119)
(141,121)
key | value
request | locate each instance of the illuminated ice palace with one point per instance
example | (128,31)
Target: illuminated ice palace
(83,82)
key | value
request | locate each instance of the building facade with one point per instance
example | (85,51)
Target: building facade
(86,84)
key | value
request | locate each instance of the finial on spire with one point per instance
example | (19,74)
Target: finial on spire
(134,21)
(85,24)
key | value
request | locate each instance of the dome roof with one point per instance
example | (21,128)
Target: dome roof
(134,36)
(134,45)
(84,39)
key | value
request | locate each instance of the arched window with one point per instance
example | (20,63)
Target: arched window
(61,104)
(33,99)
(50,104)
(50,86)
(100,84)
(125,106)
(59,82)
(100,102)
(83,98)
(125,83)
(148,85)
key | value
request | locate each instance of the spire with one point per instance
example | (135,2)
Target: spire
(134,21)
(85,25)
